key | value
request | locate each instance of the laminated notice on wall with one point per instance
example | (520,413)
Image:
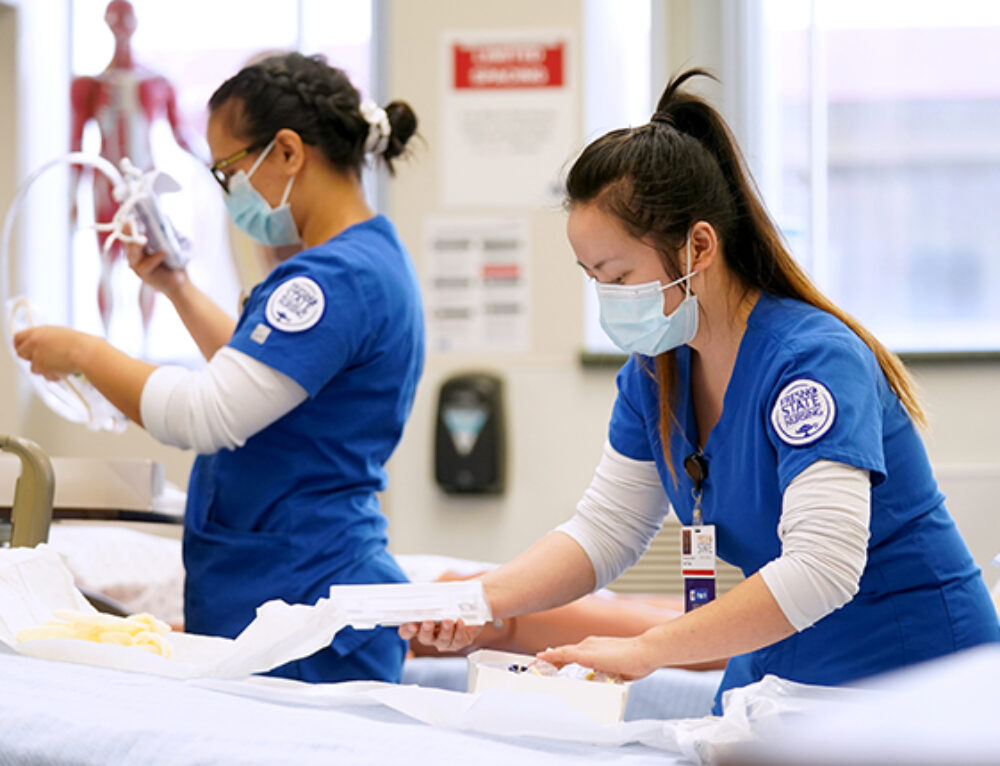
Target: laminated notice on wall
(508,117)
(477,286)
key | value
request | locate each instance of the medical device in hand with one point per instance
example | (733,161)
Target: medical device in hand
(74,397)
(365,606)
(140,219)
(140,192)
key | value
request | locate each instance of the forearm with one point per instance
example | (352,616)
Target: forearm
(117,375)
(209,326)
(552,572)
(824,534)
(744,619)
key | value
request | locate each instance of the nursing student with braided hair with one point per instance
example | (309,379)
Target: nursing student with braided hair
(304,397)
(818,484)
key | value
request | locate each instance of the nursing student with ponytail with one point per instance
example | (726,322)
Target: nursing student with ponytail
(765,415)
(305,395)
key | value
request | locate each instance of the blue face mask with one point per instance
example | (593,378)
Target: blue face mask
(632,315)
(252,213)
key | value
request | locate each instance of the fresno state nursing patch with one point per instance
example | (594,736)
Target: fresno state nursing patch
(295,305)
(803,412)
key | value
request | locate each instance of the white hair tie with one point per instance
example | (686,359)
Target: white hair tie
(379,128)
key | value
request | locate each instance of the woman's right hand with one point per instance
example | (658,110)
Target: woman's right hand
(445,636)
(150,269)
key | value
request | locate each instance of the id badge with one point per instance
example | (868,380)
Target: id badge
(698,565)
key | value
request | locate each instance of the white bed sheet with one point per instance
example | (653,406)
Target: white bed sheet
(944,711)
(61,713)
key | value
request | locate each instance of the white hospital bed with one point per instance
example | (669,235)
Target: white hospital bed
(144,572)
(55,712)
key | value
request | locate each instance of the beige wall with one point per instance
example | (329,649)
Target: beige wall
(8,180)
(964,446)
(555,411)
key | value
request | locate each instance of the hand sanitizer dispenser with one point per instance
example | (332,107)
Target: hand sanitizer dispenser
(469,438)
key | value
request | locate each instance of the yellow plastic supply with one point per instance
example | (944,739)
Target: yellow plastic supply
(143,631)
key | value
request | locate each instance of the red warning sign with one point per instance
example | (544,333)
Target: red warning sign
(509,65)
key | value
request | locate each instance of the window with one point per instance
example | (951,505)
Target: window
(873,131)
(617,91)
(195,45)
(880,159)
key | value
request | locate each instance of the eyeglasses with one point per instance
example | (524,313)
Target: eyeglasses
(221,165)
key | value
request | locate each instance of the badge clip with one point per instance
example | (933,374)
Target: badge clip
(697,542)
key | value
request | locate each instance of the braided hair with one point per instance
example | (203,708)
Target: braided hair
(317,101)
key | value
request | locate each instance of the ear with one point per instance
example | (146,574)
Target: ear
(288,147)
(704,246)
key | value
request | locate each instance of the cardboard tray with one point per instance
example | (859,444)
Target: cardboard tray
(601,701)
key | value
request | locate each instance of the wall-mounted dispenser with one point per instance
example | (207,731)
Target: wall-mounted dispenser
(469,440)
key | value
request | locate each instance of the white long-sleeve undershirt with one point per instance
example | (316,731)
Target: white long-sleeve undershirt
(823,530)
(219,406)
(619,514)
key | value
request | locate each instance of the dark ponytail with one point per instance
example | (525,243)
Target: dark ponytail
(753,246)
(317,101)
(682,167)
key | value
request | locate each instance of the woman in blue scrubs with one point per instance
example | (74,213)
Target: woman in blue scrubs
(754,401)
(305,396)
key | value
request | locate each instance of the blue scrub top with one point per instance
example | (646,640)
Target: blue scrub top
(806,388)
(294,510)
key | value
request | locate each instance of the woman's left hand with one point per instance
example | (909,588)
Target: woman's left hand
(628,657)
(54,352)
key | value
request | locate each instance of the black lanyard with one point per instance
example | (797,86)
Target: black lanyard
(696,468)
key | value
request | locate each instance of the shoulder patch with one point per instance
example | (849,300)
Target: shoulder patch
(803,412)
(295,305)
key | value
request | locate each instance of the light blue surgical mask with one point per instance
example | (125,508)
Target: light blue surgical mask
(632,315)
(252,213)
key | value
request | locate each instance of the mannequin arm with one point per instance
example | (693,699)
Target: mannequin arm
(173,118)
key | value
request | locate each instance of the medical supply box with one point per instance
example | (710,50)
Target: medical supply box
(365,606)
(602,701)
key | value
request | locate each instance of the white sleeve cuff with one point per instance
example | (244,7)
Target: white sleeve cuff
(824,534)
(620,513)
(155,396)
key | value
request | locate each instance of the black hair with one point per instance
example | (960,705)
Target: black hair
(684,166)
(317,101)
